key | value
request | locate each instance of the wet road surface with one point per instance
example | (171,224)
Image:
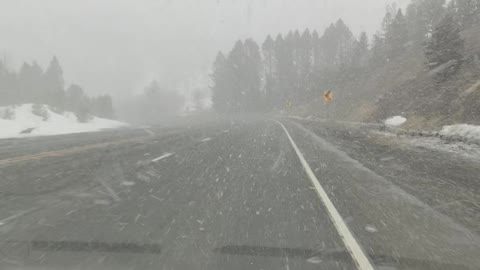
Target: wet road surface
(235,194)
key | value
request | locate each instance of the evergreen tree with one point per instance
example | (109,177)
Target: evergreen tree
(329,45)
(270,63)
(445,44)
(317,58)
(222,96)
(77,102)
(415,33)
(54,84)
(30,81)
(378,51)
(305,64)
(468,12)
(284,68)
(295,47)
(452,9)
(9,93)
(268,50)
(38,79)
(396,36)
(236,61)
(337,44)
(290,55)
(433,10)
(318,64)
(388,18)
(422,16)
(32,85)
(25,83)
(251,74)
(360,55)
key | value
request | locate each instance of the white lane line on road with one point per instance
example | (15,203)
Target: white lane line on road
(358,255)
(19,214)
(162,157)
(147,130)
(206,140)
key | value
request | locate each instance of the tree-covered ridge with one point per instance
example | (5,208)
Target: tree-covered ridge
(299,66)
(32,84)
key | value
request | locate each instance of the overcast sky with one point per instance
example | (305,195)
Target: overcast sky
(116,46)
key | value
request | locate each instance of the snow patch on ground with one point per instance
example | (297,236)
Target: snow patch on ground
(461,149)
(462,130)
(41,120)
(456,148)
(395,121)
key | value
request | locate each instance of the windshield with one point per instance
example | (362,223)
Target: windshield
(224,134)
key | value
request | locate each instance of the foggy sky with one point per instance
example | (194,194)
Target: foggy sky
(117,46)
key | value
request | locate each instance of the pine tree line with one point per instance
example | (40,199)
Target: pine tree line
(32,84)
(297,67)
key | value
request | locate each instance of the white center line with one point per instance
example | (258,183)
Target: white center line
(162,157)
(358,255)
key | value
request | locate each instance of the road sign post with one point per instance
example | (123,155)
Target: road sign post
(327,98)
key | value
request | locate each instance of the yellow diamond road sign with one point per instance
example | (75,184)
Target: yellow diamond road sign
(328,96)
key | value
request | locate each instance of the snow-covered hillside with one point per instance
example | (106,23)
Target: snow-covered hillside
(29,120)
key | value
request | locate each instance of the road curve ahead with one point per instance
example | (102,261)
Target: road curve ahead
(232,194)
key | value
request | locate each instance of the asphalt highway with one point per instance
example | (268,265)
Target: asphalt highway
(239,193)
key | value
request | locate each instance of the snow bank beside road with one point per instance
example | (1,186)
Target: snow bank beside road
(28,120)
(462,130)
(395,121)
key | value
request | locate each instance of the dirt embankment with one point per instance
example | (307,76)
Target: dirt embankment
(434,98)
(428,99)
